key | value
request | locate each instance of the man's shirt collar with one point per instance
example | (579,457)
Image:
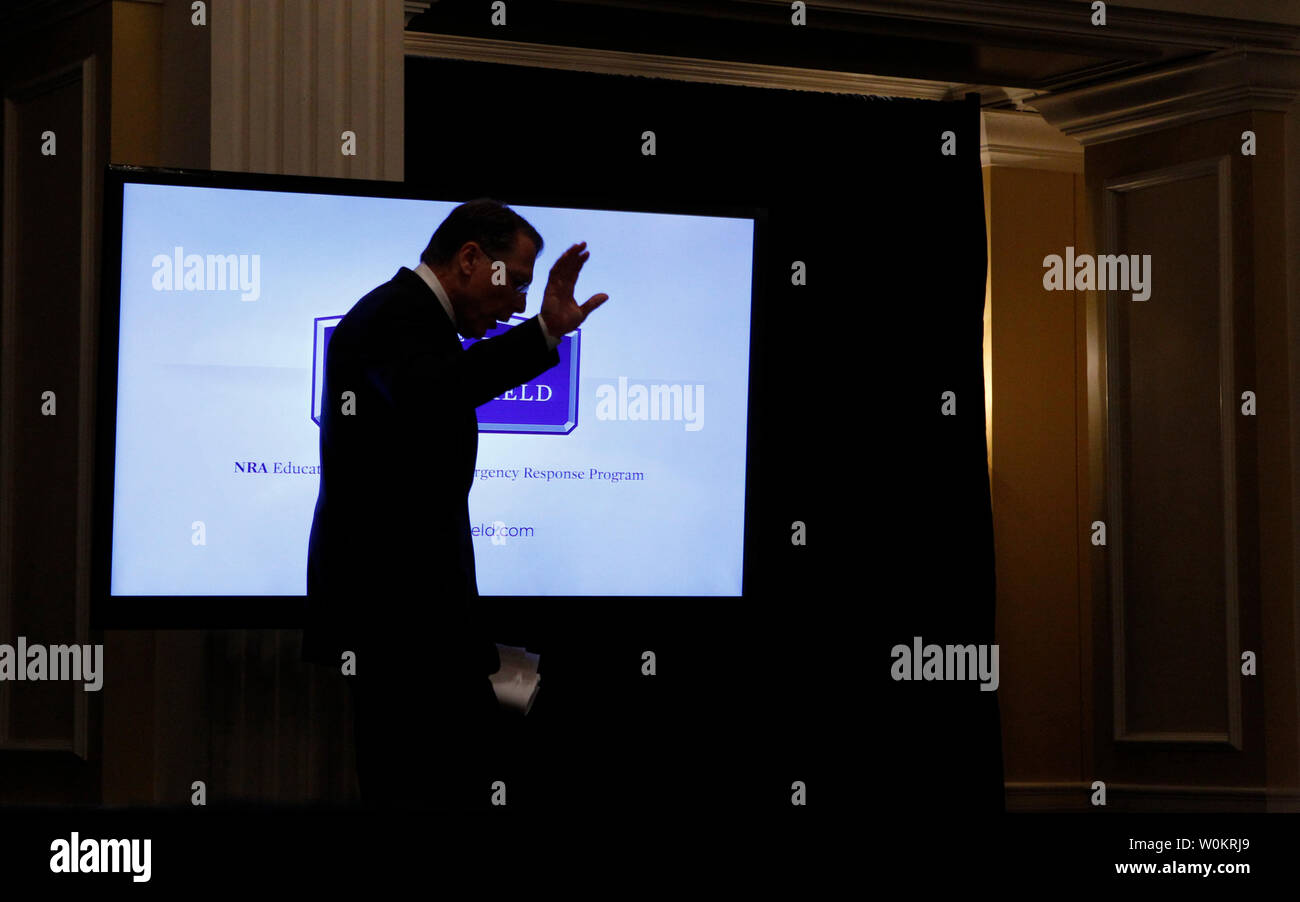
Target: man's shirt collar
(424,272)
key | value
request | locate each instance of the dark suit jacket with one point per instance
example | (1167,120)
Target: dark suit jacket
(390,565)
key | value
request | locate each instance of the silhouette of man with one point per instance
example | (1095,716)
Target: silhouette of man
(390,566)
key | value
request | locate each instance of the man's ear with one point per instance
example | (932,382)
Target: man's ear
(466,264)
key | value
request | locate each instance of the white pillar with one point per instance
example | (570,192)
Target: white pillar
(289,77)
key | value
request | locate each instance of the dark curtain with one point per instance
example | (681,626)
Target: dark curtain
(792,681)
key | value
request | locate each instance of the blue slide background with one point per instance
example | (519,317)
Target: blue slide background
(206,379)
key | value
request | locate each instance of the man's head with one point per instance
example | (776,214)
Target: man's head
(462,253)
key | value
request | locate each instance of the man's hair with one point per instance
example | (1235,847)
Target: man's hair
(489,223)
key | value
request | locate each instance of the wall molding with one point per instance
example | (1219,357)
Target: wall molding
(1026,141)
(1060,26)
(1007,138)
(1230,81)
(1076,796)
(1069,23)
(82,71)
(1220,168)
(413,8)
(654,65)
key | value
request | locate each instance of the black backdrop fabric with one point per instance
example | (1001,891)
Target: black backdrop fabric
(793,681)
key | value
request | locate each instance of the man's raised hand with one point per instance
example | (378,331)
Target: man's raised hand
(560,311)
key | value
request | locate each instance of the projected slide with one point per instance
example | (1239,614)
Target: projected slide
(619,472)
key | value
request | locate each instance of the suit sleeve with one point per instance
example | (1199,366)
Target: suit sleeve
(470,378)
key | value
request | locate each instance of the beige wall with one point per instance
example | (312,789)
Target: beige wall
(1035,438)
(137,83)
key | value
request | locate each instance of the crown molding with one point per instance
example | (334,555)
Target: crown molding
(1013,139)
(654,65)
(1222,83)
(1026,141)
(1052,21)
(413,8)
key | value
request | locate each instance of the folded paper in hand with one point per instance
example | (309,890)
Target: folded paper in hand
(517,682)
